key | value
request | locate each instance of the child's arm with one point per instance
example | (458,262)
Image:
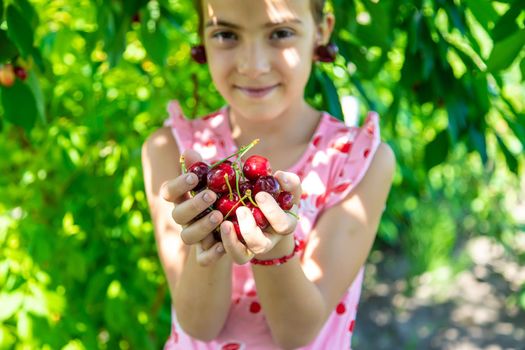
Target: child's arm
(297,300)
(200,294)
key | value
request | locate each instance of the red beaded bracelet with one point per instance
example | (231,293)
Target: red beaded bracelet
(299,245)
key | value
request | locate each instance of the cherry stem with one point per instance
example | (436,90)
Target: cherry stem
(239,153)
(226,179)
(182,164)
(292,214)
(249,193)
(237,182)
(234,207)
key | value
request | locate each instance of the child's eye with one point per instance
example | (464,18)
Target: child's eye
(282,34)
(223,36)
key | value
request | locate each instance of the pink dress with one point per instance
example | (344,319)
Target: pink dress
(333,164)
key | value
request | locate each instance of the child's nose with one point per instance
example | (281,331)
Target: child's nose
(253,60)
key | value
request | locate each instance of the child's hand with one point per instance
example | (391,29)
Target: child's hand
(193,215)
(281,223)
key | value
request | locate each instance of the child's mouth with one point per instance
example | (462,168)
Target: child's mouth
(257,92)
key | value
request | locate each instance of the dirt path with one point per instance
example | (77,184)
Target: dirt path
(475,310)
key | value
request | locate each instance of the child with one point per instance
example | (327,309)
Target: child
(297,284)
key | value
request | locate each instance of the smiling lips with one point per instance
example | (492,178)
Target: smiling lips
(258,92)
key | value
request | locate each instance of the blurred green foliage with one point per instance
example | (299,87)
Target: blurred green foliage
(78,264)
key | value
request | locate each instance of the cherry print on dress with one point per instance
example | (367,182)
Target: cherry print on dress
(321,200)
(366,152)
(232,346)
(351,327)
(343,147)
(252,293)
(340,309)
(255,307)
(316,140)
(341,187)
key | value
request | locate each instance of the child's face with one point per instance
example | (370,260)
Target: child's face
(260,53)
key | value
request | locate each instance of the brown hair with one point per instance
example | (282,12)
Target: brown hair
(316,6)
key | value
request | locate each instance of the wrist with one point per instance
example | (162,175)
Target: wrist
(276,256)
(284,247)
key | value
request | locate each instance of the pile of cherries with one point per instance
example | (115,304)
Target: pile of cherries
(236,184)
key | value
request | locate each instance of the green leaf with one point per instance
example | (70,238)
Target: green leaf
(436,151)
(19,30)
(154,40)
(29,12)
(511,160)
(24,325)
(19,105)
(483,11)
(522,69)
(505,51)
(478,141)
(9,304)
(517,128)
(457,111)
(330,96)
(1,10)
(481,92)
(8,50)
(34,84)
(507,25)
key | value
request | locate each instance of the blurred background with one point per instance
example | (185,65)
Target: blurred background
(83,83)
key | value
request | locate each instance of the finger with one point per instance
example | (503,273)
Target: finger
(176,190)
(200,229)
(238,251)
(290,182)
(256,241)
(281,222)
(206,257)
(187,210)
(190,157)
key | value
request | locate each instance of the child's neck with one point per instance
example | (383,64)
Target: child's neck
(290,131)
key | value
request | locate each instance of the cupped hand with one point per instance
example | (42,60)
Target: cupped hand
(192,213)
(259,242)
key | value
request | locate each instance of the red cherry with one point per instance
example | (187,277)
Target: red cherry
(255,167)
(7,75)
(267,184)
(259,217)
(237,230)
(135,18)
(201,170)
(244,186)
(226,205)
(216,181)
(21,73)
(285,200)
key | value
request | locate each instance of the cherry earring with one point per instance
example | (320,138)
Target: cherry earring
(326,53)
(198,53)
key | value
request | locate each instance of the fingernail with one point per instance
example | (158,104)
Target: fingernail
(220,248)
(190,179)
(214,219)
(207,197)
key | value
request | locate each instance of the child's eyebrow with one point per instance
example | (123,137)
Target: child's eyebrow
(217,22)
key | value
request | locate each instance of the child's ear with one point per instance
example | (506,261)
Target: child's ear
(325,28)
